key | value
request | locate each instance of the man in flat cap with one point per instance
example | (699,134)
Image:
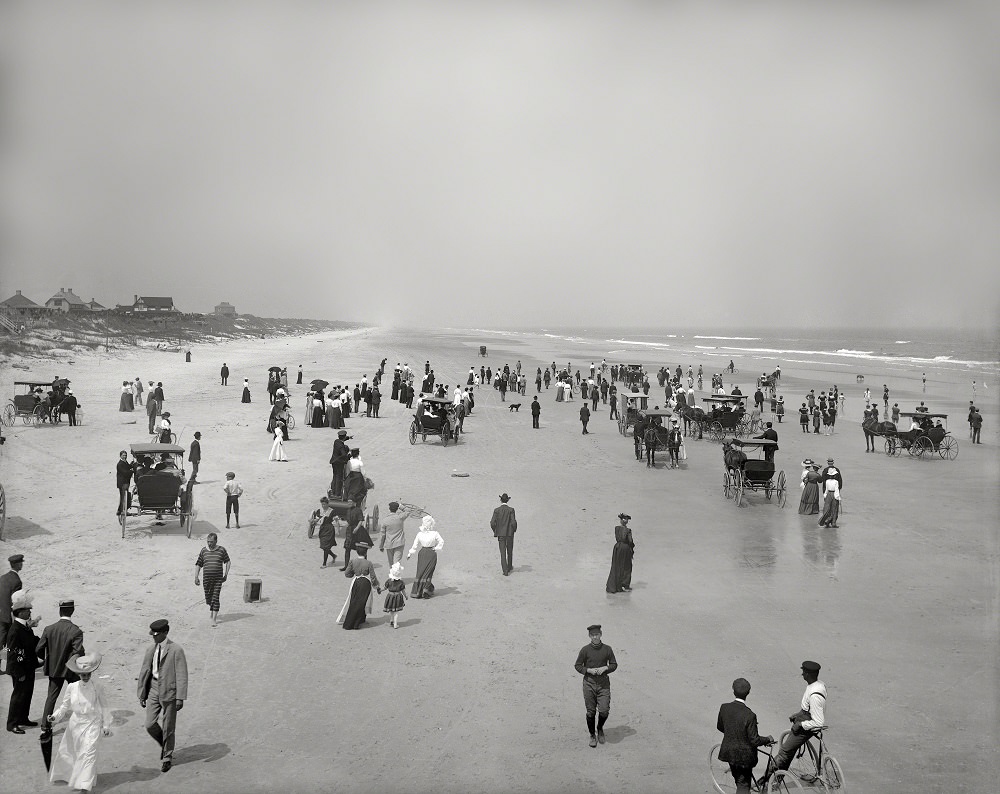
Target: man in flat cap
(22,661)
(595,662)
(338,461)
(163,682)
(60,641)
(391,534)
(740,739)
(10,583)
(504,525)
(810,717)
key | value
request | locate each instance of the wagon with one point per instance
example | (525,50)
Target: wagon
(656,433)
(160,492)
(927,440)
(439,419)
(629,404)
(741,474)
(724,412)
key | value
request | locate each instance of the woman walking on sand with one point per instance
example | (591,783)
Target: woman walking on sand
(278,447)
(620,578)
(809,483)
(127,402)
(89,719)
(246,390)
(427,543)
(395,596)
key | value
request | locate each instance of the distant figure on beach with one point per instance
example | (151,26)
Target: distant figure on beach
(151,413)
(278,447)
(212,564)
(536,411)
(923,379)
(246,390)
(233,493)
(126,404)
(584,418)
(976,423)
(298,377)
(137,391)
(504,525)
(224,373)
(620,578)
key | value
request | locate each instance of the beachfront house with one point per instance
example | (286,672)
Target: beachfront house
(67,301)
(19,310)
(94,306)
(225,309)
(147,303)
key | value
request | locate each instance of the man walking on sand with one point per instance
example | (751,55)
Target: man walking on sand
(162,690)
(595,662)
(224,373)
(213,562)
(584,417)
(504,525)
(194,456)
(740,740)
(59,642)
(391,535)
(536,411)
(151,412)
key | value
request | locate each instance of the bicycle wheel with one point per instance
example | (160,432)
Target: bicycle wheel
(805,764)
(722,776)
(782,781)
(833,775)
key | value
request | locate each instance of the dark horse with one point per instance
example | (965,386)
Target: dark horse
(693,416)
(734,459)
(874,429)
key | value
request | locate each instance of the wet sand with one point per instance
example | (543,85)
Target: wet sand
(476,689)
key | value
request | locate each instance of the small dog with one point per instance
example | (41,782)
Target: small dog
(515,407)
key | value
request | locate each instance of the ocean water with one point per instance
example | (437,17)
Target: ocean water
(970,352)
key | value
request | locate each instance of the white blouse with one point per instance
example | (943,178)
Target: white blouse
(427,539)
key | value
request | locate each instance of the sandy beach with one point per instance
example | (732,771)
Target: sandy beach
(476,690)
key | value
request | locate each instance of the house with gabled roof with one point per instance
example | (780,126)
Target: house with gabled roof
(67,301)
(225,309)
(21,306)
(146,303)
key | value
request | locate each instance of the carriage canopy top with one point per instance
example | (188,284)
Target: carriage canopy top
(436,400)
(657,412)
(156,449)
(34,383)
(927,415)
(725,398)
(754,442)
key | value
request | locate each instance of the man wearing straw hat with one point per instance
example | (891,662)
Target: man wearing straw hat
(60,642)
(22,661)
(163,682)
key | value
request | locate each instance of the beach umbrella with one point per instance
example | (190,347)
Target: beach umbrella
(45,742)
(274,369)
(319,383)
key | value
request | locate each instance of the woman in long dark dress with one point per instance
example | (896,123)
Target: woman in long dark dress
(809,503)
(427,544)
(318,414)
(359,595)
(246,390)
(620,578)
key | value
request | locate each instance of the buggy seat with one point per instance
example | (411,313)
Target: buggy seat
(759,470)
(157,490)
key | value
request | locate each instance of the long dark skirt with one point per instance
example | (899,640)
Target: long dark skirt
(809,503)
(246,395)
(620,577)
(831,509)
(423,587)
(337,417)
(395,391)
(360,592)
(318,417)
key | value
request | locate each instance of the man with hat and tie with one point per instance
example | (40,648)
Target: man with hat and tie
(504,525)
(10,583)
(163,681)
(808,720)
(22,661)
(595,662)
(60,641)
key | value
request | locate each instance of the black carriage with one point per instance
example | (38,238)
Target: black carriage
(656,430)
(629,405)
(927,439)
(159,488)
(440,419)
(41,402)
(741,474)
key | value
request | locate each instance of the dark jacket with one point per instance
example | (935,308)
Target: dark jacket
(341,453)
(536,409)
(10,583)
(504,522)
(123,473)
(22,660)
(195,455)
(60,641)
(740,739)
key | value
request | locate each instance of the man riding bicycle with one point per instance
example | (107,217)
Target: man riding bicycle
(808,720)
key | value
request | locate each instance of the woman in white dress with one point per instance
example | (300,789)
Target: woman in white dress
(89,718)
(278,447)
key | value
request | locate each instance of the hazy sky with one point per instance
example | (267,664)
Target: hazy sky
(507,163)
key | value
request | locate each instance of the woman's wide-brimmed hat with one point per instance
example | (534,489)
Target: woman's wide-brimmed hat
(808,462)
(84,664)
(624,516)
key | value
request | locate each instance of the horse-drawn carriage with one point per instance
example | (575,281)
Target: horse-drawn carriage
(655,431)
(724,413)
(629,405)
(741,474)
(928,438)
(440,418)
(41,402)
(482,351)
(159,488)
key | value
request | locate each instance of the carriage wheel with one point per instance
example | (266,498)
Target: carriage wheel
(290,422)
(37,416)
(782,489)
(914,449)
(727,486)
(3,510)
(413,432)
(949,448)
(890,447)
(9,414)
(738,491)
(187,518)
(924,446)
(716,431)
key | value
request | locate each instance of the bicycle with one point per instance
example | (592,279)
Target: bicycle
(815,764)
(773,781)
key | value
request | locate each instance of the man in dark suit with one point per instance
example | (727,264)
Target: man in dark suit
(740,739)
(770,434)
(536,411)
(22,661)
(163,681)
(224,372)
(10,583)
(338,460)
(504,525)
(60,641)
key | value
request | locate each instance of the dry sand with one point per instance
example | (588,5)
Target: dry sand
(476,690)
